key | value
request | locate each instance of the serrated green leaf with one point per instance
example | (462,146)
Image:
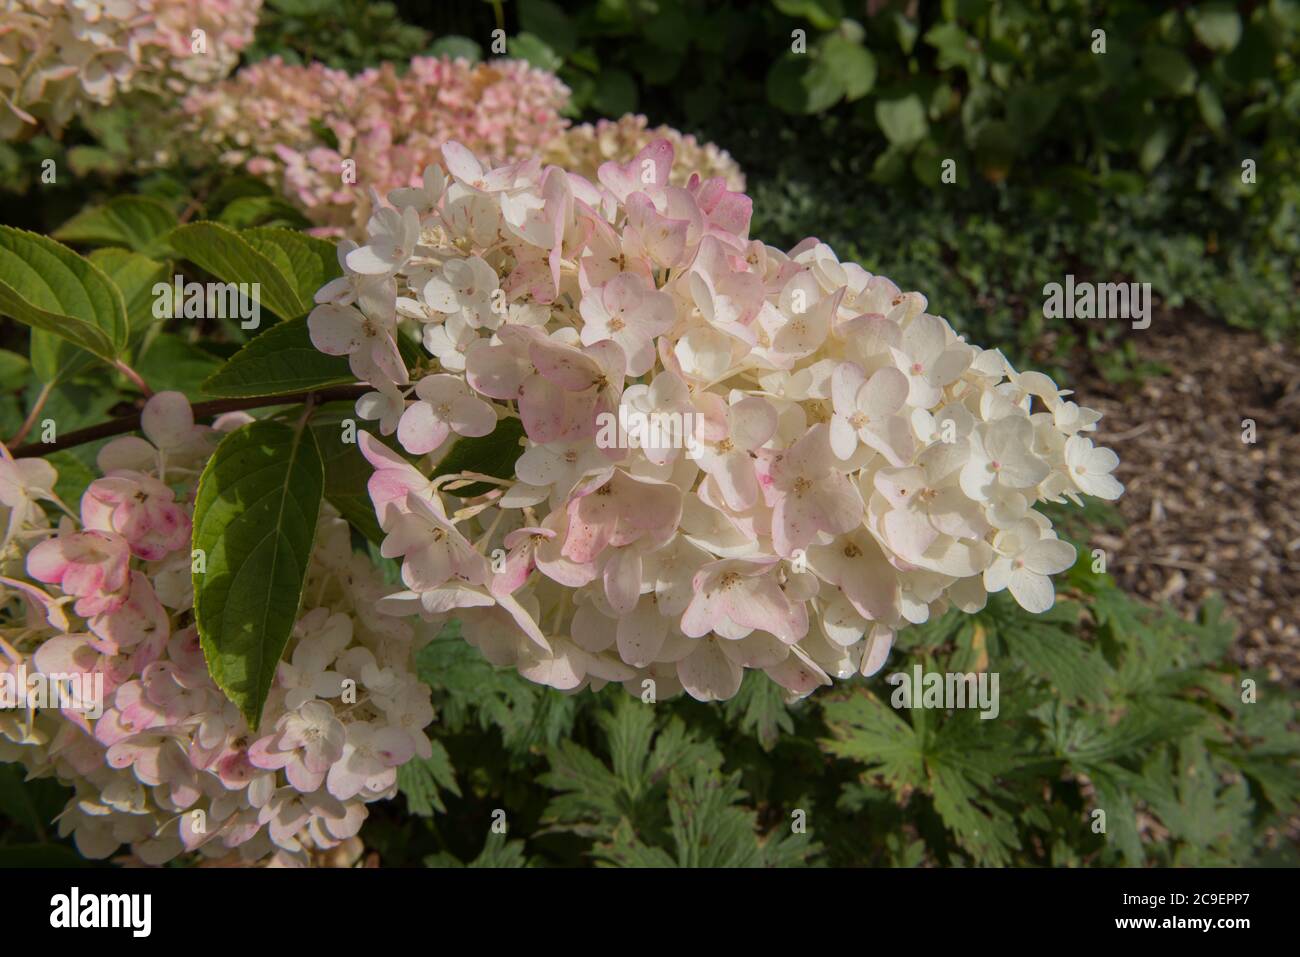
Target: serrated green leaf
(137,222)
(422,780)
(171,363)
(280,361)
(44,284)
(227,255)
(55,359)
(309,262)
(255,517)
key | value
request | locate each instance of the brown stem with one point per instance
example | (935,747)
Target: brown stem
(46,391)
(131,423)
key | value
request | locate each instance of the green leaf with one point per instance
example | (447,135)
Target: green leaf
(254,520)
(1207,101)
(1217,25)
(549,22)
(246,211)
(493,454)
(957,48)
(853,65)
(536,51)
(280,361)
(227,255)
(616,93)
(1171,69)
(137,222)
(902,120)
(801,83)
(309,262)
(47,286)
(760,709)
(172,363)
(346,469)
(56,360)
(823,14)
(456,47)
(422,780)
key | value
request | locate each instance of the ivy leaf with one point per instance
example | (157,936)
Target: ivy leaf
(44,284)
(280,361)
(254,521)
(137,222)
(227,255)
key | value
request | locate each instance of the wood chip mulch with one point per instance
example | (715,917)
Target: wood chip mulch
(1204,510)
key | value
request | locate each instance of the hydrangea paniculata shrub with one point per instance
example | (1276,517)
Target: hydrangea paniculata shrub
(61,57)
(726,456)
(169,765)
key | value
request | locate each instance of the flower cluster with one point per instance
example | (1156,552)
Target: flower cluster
(162,761)
(581,149)
(60,57)
(836,463)
(298,126)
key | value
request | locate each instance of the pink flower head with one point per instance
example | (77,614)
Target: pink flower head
(139,508)
(808,493)
(91,565)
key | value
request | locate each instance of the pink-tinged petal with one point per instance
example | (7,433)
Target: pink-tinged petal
(798,673)
(335,330)
(622,579)
(641,634)
(592,631)
(876,653)
(1049,556)
(760,604)
(461,163)
(497,371)
(471,416)
(700,615)
(167,419)
(737,480)
(563,671)
(709,675)
(884,393)
(420,430)
(1034,592)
